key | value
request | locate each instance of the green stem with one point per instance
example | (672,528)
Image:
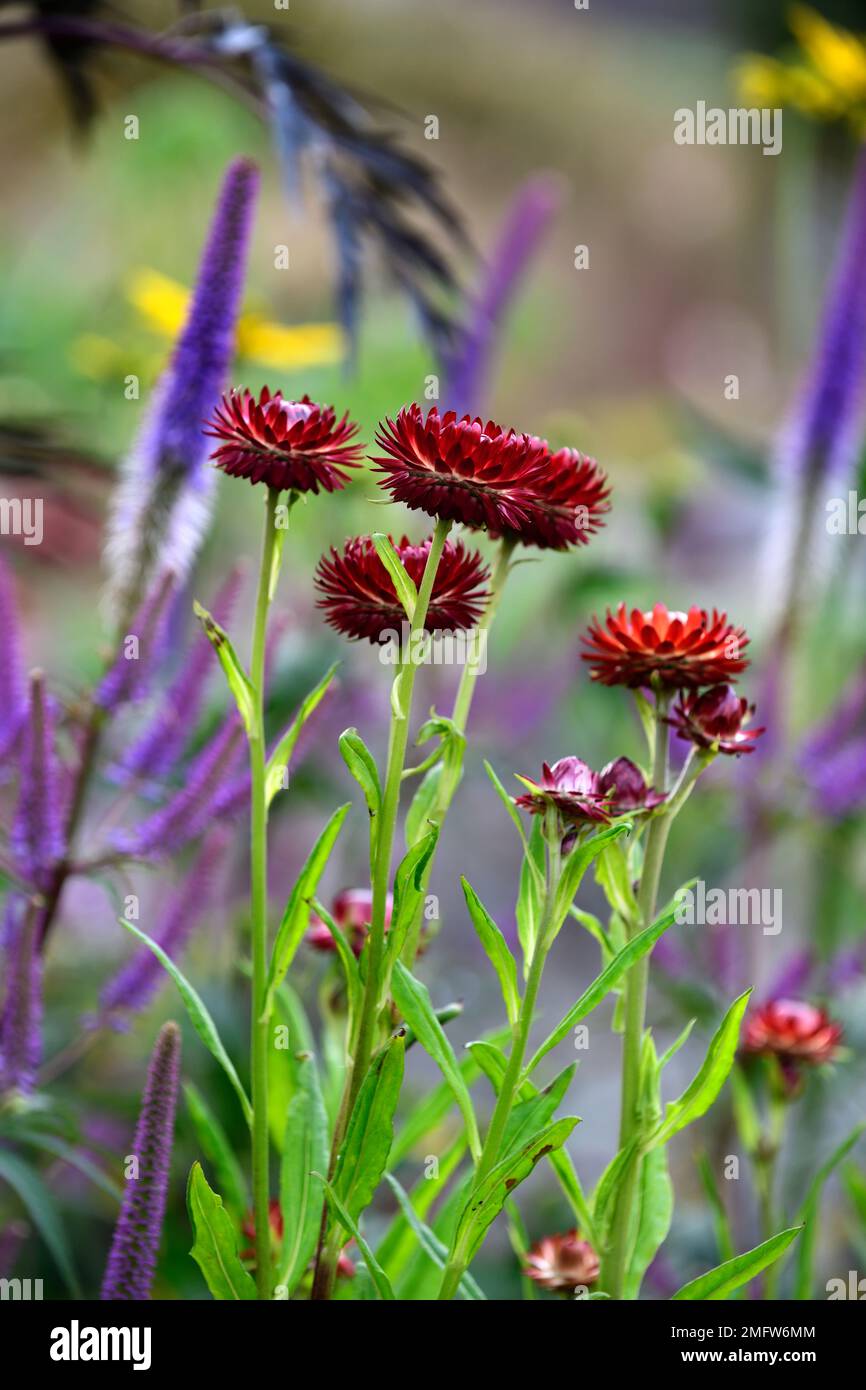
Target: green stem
(259,913)
(765,1181)
(362,1047)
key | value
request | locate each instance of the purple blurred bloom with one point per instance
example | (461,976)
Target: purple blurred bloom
(141,649)
(847,968)
(13,687)
(793,979)
(37,831)
(134,985)
(468,371)
(192,809)
(162,504)
(135,1245)
(159,746)
(21,1023)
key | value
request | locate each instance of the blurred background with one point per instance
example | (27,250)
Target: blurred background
(703,263)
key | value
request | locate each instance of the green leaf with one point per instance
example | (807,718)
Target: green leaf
(697,1098)
(214,1247)
(67,1153)
(497,950)
(279,760)
(403,585)
(508,803)
(576,864)
(380,1279)
(725,1278)
(398,1245)
(655,1207)
(748,1120)
(418,816)
(305,1152)
(413,1001)
(530,896)
(41,1208)
(536,1110)
(364,1155)
(198,1015)
(217,1150)
(428,1113)
(239,682)
(409,893)
(296,917)
(431,1243)
(612,873)
(722,1225)
(603,984)
(809,1212)
(487,1199)
(348,960)
(362,765)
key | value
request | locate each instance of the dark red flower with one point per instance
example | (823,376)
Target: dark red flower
(510,484)
(360,600)
(352,911)
(248,1228)
(294,446)
(562,1263)
(716,720)
(626,787)
(680,650)
(798,1034)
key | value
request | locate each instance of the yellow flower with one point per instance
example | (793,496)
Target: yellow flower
(827,80)
(837,55)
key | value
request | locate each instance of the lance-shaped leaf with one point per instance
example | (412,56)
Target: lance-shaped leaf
(431,1244)
(809,1211)
(305,1152)
(381,1282)
(700,1094)
(215,1243)
(198,1015)
(239,682)
(403,584)
(296,917)
(413,1001)
(348,960)
(489,1197)
(409,892)
(654,1196)
(362,765)
(218,1151)
(41,1207)
(364,1155)
(576,864)
(733,1274)
(496,948)
(429,1111)
(603,984)
(278,762)
(530,895)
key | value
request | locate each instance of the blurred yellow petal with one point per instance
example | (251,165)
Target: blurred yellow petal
(809,92)
(96,357)
(301,345)
(838,55)
(761,81)
(159,300)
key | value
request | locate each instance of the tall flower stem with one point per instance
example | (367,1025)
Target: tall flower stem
(765,1181)
(636,983)
(259,1034)
(492,1149)
(362,1044)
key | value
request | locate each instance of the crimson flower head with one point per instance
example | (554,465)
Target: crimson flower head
(359,598)
(798,1034)
(352,911)
(676,650)
(486,477)
(562,1263)
(626,788)
(581,795)
(294,446)
(716,720)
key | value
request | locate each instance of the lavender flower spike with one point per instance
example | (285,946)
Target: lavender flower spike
(13,690)
(37,831)
(135,984)
(162,504)
(21,1024)
(127,680)
(135,1245)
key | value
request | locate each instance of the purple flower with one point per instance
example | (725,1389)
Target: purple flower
(134,985)
(21,1023)
(162,505)
(135,1245)
(37,830)
(140,649)
(13,689)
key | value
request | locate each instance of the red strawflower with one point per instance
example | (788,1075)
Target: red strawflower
(716,720)
(294,446)
(798,1034)
(626,787)
(507,483)
(581,795)
(345,1267)
(352,911)
(679,650)
(360,600)
(562,1263)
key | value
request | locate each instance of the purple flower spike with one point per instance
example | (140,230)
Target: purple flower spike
(528,218)
(21,1024)
(158,748)
(191,810)
(135,1245)
(140,649)
(13,687)
(37,831)
(162,505)
(135,984)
